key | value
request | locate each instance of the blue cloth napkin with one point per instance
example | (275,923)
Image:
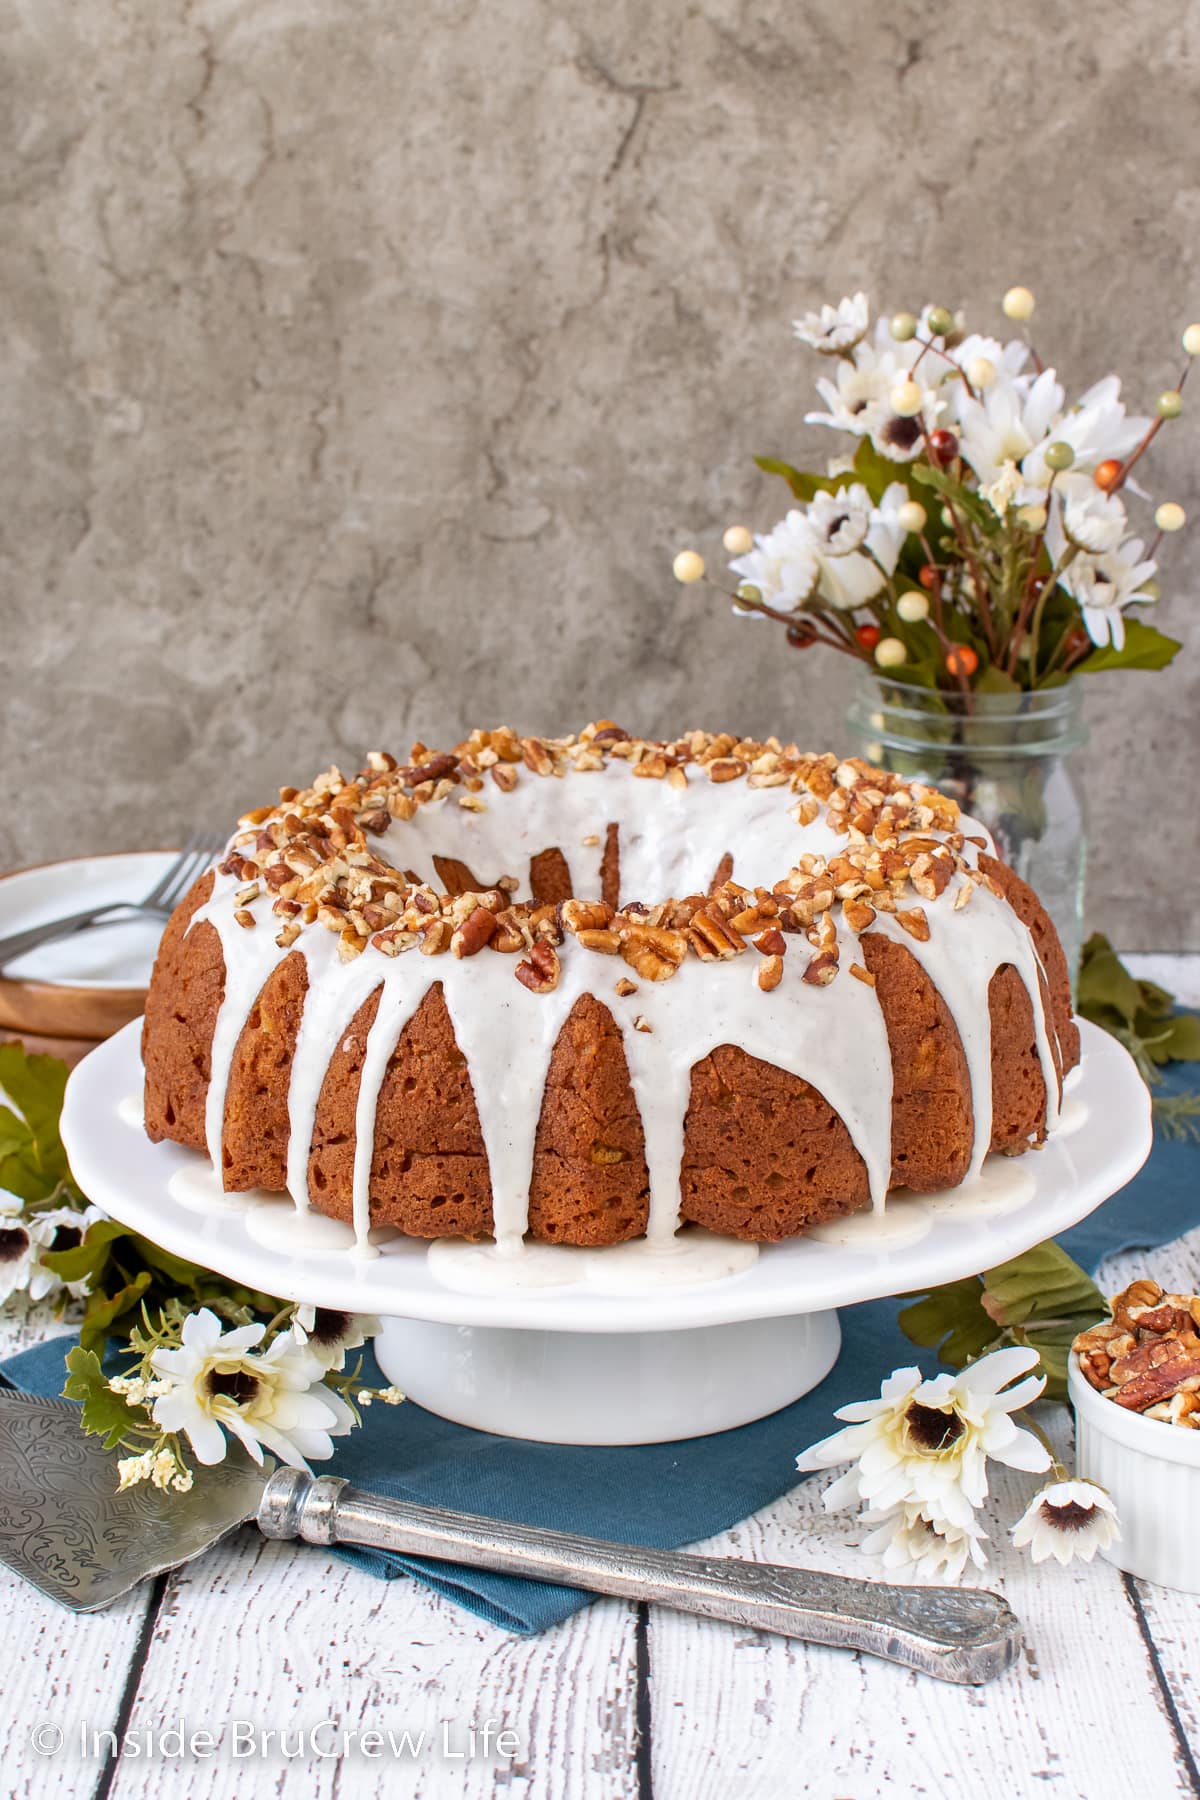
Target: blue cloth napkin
(657,1494)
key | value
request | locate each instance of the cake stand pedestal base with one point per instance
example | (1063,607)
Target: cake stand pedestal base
(640,1387)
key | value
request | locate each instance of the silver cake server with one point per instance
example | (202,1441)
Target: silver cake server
(64,1527)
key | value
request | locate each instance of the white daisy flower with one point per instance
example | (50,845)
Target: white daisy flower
(1067,1519)
(926,1442)
(858,545)
(783,565)
(835,330)
(901,437)
(841,520)
(1104,585)
(915,1539)
(272,1400)
(1097,428)
(59,1228)
(329,1335)
(16,1257)
(1006,422)
(887,535)
(849,581)
(1008,358)
(856,398)
(1087,518)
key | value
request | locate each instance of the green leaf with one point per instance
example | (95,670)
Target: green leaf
(87,1258)
(1043,1283)
(1156,1002)
(951,1320)
(104,1414)
(1053,1345)
(1145,647)
(1174,1040)
(877,473)
(103,1310)
(994,681)
(35,1085)
(874,471)
(803,486)
(1106,990)
(956,492)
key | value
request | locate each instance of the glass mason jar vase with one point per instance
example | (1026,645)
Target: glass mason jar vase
(1008,761)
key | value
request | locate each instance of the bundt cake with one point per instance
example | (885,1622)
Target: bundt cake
(584,989)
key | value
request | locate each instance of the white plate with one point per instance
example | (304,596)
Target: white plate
(119,956)
(918,1242)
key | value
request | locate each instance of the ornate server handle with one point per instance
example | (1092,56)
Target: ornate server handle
(963,1635)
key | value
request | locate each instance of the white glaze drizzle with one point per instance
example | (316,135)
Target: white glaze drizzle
(671,840)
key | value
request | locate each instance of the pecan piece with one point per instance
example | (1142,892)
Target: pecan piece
(821,968)
(770,973)
(435,937)
(1137,1294)
(585,915)
(711,937)
(1159,1383)
(538,756)
(913,920)
(433,770)
(726,768)
(858,915)
(651,951)
(539,970)
(607,943)
(474,932)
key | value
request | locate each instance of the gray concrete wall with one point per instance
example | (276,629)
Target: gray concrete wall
(365,362)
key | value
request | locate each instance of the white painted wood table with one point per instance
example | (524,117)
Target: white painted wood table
(260,1638)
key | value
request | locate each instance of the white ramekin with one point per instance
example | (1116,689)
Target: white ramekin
(1152,1471)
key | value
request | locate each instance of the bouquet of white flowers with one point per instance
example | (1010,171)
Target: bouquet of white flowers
(975,536)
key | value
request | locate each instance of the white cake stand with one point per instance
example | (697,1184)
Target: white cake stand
(602,1357)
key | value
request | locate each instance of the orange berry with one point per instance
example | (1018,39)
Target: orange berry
(1106,474)
(928,577)
(868,636)
(961,660)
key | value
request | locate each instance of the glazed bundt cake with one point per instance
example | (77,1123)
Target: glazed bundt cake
(584,989)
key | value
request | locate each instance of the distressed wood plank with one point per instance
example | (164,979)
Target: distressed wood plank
(282,1635)
(67,1669)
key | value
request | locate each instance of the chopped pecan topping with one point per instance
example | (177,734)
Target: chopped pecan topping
(314,854)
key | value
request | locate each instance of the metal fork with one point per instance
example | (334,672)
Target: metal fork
(160,902)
